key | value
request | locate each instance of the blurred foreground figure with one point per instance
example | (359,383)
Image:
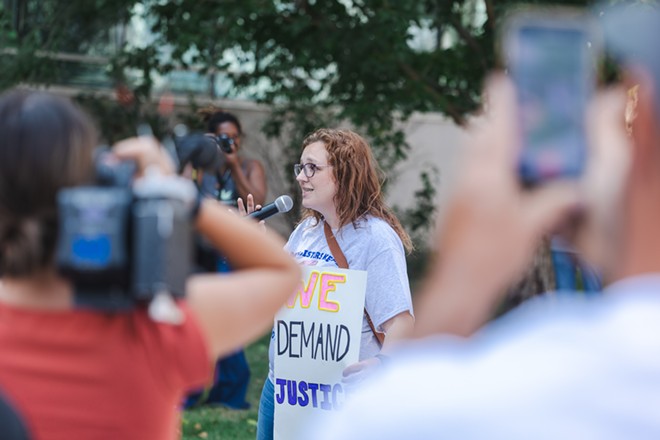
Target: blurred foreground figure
(561,367)
(74,373)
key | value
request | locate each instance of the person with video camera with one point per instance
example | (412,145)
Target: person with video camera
(237,176)
(73,372)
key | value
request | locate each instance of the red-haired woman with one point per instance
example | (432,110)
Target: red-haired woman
(341,187)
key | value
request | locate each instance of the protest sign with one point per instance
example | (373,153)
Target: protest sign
(317,335)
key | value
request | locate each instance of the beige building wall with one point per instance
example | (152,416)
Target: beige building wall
(436,142)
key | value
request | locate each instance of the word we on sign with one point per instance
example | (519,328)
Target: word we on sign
(322,283)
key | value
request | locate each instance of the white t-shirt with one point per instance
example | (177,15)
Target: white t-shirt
(560,368)
(371,245)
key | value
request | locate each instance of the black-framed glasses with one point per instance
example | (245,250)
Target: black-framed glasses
(308,168)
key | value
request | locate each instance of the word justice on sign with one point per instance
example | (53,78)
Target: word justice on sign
(326,283)
(302,393)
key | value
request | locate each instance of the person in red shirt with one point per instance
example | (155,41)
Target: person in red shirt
(74,373)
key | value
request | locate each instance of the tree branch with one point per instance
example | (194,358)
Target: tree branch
(434,91)
(469,39)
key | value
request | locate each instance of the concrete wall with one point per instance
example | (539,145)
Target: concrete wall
(436,142)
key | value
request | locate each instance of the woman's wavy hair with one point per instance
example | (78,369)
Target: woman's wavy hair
(359,180)
(46,143)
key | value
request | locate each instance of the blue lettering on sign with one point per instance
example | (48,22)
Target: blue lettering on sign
(298,392)
(303,400)
(313,387)
(326,396)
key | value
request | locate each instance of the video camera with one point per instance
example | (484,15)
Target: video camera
(201,150)
(123,243)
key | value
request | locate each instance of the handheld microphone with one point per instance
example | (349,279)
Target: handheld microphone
(281,204)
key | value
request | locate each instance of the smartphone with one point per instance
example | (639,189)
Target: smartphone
(552,60)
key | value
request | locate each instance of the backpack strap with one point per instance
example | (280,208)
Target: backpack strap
(340,258)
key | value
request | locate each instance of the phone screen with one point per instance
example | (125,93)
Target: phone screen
(552,70)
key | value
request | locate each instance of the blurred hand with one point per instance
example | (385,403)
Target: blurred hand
(490,215)
(491,226)
(232,159)
(355,373)
(146,152)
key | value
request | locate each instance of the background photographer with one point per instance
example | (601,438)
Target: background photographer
(82,373)
(228,177)
(236,176)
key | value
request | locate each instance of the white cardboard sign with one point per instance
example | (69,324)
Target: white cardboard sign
(317,335)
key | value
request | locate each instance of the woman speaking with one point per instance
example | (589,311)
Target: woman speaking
(345,216)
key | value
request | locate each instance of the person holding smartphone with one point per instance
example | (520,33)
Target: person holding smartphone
(558,367)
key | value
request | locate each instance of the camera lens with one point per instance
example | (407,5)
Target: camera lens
(225,143)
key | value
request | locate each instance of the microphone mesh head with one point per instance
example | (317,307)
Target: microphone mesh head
(284,203)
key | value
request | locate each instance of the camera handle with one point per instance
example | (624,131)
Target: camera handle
(163,308)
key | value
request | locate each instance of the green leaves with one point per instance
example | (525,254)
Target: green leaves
(369,64)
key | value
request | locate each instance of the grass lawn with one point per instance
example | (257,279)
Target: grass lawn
(215,423)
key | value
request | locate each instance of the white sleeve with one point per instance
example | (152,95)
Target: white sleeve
(388,289)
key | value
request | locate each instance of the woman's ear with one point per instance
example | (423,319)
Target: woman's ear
(644,121)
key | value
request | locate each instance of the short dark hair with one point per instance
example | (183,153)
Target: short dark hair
(46,143)
(213,117)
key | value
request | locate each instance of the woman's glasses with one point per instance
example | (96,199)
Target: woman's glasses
(308,168)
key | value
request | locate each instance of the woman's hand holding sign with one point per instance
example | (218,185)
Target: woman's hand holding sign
(396,329)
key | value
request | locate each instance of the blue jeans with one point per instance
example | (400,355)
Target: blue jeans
(266,411)
(565,273)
